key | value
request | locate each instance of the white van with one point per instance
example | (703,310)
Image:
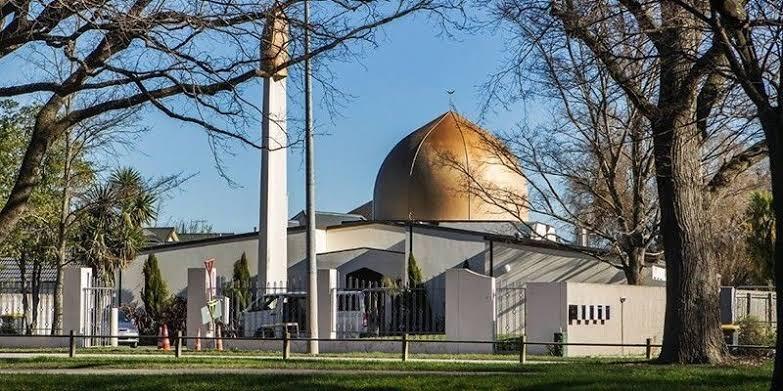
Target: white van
(351,314)
(271,314)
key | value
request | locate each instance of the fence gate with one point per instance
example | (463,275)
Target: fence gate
(98,301)
(758,303)
(510,310)
(373,309)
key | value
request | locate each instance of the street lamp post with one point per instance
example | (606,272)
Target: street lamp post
(312,269)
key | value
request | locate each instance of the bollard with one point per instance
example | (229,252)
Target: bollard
(178,345)
(405,347)
(197,344)
(523,349)
(648,349)
(286,345)
(219,340)
(71,345)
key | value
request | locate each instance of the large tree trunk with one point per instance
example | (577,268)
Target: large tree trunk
(692,321)
(692,325)
(773,127)
(633,270)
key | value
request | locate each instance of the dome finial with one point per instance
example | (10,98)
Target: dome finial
(451,99)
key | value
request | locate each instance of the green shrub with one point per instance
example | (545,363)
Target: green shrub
(9,324)
(155,294)
(752,331)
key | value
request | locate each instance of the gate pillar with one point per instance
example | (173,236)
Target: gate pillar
(470,310)
(327,303)
(75,280)
(201,287)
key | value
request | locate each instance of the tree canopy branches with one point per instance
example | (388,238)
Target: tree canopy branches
(190,60)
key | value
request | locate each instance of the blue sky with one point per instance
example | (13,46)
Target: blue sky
(395,88)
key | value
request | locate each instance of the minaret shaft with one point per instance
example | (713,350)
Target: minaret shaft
(273,224)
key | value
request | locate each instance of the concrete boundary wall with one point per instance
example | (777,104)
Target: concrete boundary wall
(23,341)
(470,310)
(392,346)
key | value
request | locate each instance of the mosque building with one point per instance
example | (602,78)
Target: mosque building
(425,204)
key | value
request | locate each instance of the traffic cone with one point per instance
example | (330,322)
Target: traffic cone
(166,342)
(197,346)
(160,340)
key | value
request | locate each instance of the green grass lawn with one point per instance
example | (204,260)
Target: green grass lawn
(575,375)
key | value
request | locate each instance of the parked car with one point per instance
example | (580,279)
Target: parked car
(270,315)
(128,333)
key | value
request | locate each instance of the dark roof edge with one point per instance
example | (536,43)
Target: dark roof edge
(217,239)
(362,248)
(483,235)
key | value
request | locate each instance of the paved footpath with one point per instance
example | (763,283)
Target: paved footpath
(239,371)
(185,356)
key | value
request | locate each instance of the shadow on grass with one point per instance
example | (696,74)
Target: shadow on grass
(556,377)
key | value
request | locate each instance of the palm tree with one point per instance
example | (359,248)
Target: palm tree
(114,216)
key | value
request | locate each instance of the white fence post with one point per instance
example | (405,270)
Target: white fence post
(327,303)
(115,329)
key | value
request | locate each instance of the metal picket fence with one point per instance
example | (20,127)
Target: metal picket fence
(26,308)
(510,309)
(363,309)
(377,309)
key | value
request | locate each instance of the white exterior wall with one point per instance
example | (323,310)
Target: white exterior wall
(378,236)
(545,313)
(438,250)
(533,264)
(638,318)
(175,262)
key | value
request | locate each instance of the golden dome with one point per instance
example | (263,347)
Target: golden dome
(435,173)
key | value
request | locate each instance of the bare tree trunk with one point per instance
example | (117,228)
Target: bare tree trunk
(29,175)
(22,263)
(35,294)
(62,245)
(692,333)
(773,127)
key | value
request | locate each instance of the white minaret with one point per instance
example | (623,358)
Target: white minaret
(273,223)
